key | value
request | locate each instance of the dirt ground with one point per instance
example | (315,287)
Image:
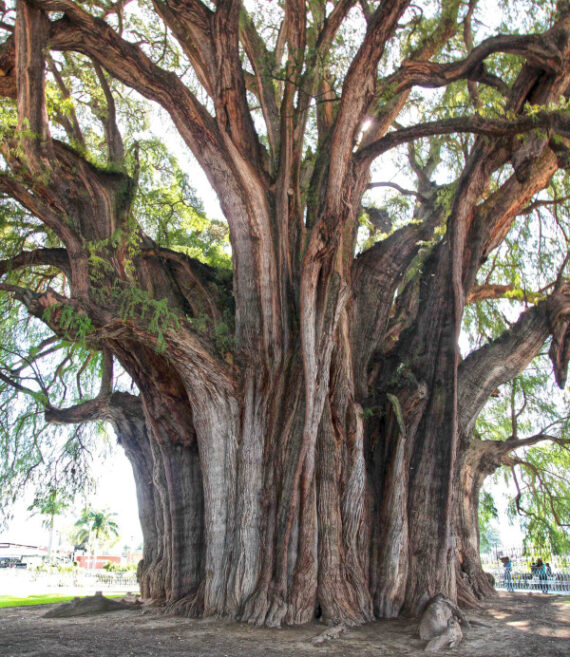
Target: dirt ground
(515,625)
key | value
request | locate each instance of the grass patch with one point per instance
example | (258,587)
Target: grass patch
(44,599)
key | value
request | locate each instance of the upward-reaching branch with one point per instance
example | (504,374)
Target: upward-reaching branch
(32,31)
(115,148)
(81,32)
(230,99)
(357,93)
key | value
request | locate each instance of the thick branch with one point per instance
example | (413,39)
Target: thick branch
(32,29)
(67,119)
(263,87)
(190,22)
(553,121)
(198,282)
(488,291)
(240,186)
(376,275)
(46,257)
(484,457)
(499,361)
(431,44)
(113,137)
(79,31)
(102,408)
(230,100)
(43,211)
(358,91)
(539,49)
(88,411)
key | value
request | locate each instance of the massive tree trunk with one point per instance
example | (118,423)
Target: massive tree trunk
(320,463)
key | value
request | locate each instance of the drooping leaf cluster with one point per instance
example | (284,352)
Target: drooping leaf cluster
(535,474)
(542,499)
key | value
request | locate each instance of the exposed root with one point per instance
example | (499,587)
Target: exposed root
(472,586)
(190,606)
(329,634)
(133,599)
(256,608)
(277,612)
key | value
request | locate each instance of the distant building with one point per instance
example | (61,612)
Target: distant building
(86,560)
(14,555)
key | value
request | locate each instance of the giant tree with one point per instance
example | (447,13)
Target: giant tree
(305,419)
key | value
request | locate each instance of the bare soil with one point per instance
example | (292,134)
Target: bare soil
(515,625)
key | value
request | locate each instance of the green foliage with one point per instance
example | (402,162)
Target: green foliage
(31,600)
(528,405)
(488,514)
(60,372)
(112,567)
(544,499)
(169,211)
(53,461)
(155,313)
(40,370)
(51,502)
(76,325)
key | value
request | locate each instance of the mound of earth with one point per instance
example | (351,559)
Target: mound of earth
(93,604)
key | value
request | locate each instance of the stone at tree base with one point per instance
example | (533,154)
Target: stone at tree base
(450,638)
(94,604)
(440,623)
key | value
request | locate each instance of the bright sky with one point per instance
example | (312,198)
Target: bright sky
(510,535)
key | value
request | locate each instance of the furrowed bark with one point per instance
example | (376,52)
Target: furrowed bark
(32,30)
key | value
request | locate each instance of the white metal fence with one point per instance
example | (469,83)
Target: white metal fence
(522,580)
(81,577)
(22,582)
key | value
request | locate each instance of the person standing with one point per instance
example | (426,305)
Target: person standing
(541,572)
(548,570)
(508,573)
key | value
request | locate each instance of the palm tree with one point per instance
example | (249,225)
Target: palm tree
(94,526)
(52,504)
